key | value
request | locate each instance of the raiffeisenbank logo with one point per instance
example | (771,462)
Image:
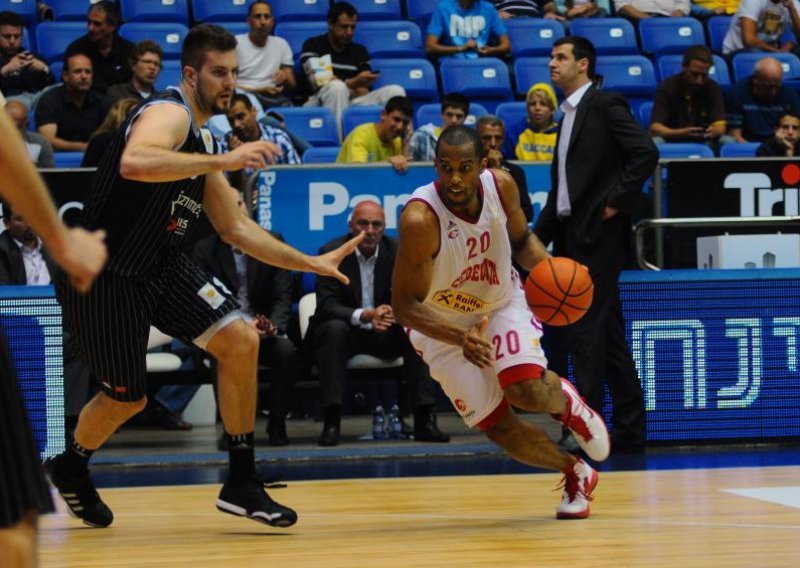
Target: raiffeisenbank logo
(760,196)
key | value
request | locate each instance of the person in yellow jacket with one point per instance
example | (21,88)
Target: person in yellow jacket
(537,143)
(385,140)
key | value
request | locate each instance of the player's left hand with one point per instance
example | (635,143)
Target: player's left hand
(328,264)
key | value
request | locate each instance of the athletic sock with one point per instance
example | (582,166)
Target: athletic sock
(75,461)
(242,457)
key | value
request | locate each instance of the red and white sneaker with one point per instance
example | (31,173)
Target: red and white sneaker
(588,427)
(578,483)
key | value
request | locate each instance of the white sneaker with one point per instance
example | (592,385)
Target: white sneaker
(588,427)
(578,486)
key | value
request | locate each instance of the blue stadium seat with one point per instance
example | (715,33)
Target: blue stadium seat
(55,70)
(52,38)
(168,35)
(717,29)
(643,116)
(155,11)
(170,74)
(670,64)
(378,9)
(610,36)
(483,80)
(419,9)
(292,10)
(532,36)
(743,64)
(417,76)
(315,124)
(670,35)
(68,159)
(530,70)
(236,28)
(355,115)
(219,10)
(684,150)
(296,33)
(631,75)
(321,155)
(390,39)
(69,10)
(515,117)
(25,8)
(740,150)
(432,113)
(27,40)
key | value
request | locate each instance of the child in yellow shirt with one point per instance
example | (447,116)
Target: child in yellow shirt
(537,142)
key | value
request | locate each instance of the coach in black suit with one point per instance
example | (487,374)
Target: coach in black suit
(17,235)
(602,161)
(352,319)
(265,292)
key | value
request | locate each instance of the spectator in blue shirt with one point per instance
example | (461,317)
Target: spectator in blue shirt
(757,102)
(467,29)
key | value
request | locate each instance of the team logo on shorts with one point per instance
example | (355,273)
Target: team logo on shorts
(460,405)
(211,295)
(458,301)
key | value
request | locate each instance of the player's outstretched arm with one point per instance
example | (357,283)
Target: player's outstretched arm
(151,151)
(413,272)
(234,227)
(80,253)
(528,250)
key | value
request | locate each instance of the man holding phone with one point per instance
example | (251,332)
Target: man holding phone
(337,70)
(385,140)
(22,74)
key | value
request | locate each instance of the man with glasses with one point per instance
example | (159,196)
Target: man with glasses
(145,63)
(757,102)
(358,318)
(109,53)
(265,61)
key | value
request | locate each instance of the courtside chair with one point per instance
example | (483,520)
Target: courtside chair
(220,10)
(432,113)
(684,150)
(670,35)
(168,35)
(532,36)
(300,10)
(69,10)
(390,39)
(321,155)
(610,36)
(356,115)
(155,11)
(377,10)
(52,38)
(483,80)
(316,125)
(631,75)
(739,150)
(416,76)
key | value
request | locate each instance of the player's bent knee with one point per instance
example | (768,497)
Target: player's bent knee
(524,388)
(236,341)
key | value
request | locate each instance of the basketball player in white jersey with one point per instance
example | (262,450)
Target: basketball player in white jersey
(454,286)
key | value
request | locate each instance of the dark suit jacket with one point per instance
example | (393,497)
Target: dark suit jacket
(608,160)
(12,267)
(269,288)
(337,301)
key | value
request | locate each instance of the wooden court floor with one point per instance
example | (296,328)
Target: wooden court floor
(677,519)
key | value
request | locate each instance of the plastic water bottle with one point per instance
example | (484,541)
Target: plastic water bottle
(395,426)
(378,423)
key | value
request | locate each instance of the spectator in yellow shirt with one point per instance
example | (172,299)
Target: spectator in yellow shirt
(704,9)
(537,142)
(385,140)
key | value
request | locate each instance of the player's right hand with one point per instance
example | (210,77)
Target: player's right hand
(475,348)
(253,155)
(82,255)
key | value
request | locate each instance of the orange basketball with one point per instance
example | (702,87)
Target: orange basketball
(559,290)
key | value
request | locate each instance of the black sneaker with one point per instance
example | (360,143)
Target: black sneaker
(251,500)
(81,497)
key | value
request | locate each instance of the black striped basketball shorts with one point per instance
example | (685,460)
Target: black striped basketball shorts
(110,325)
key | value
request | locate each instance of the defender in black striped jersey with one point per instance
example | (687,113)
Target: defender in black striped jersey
(149,190)
(24,494)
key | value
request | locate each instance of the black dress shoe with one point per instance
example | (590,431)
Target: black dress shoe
(329,436)
(406,429)
(169,420)
(425,427)
(276,434)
